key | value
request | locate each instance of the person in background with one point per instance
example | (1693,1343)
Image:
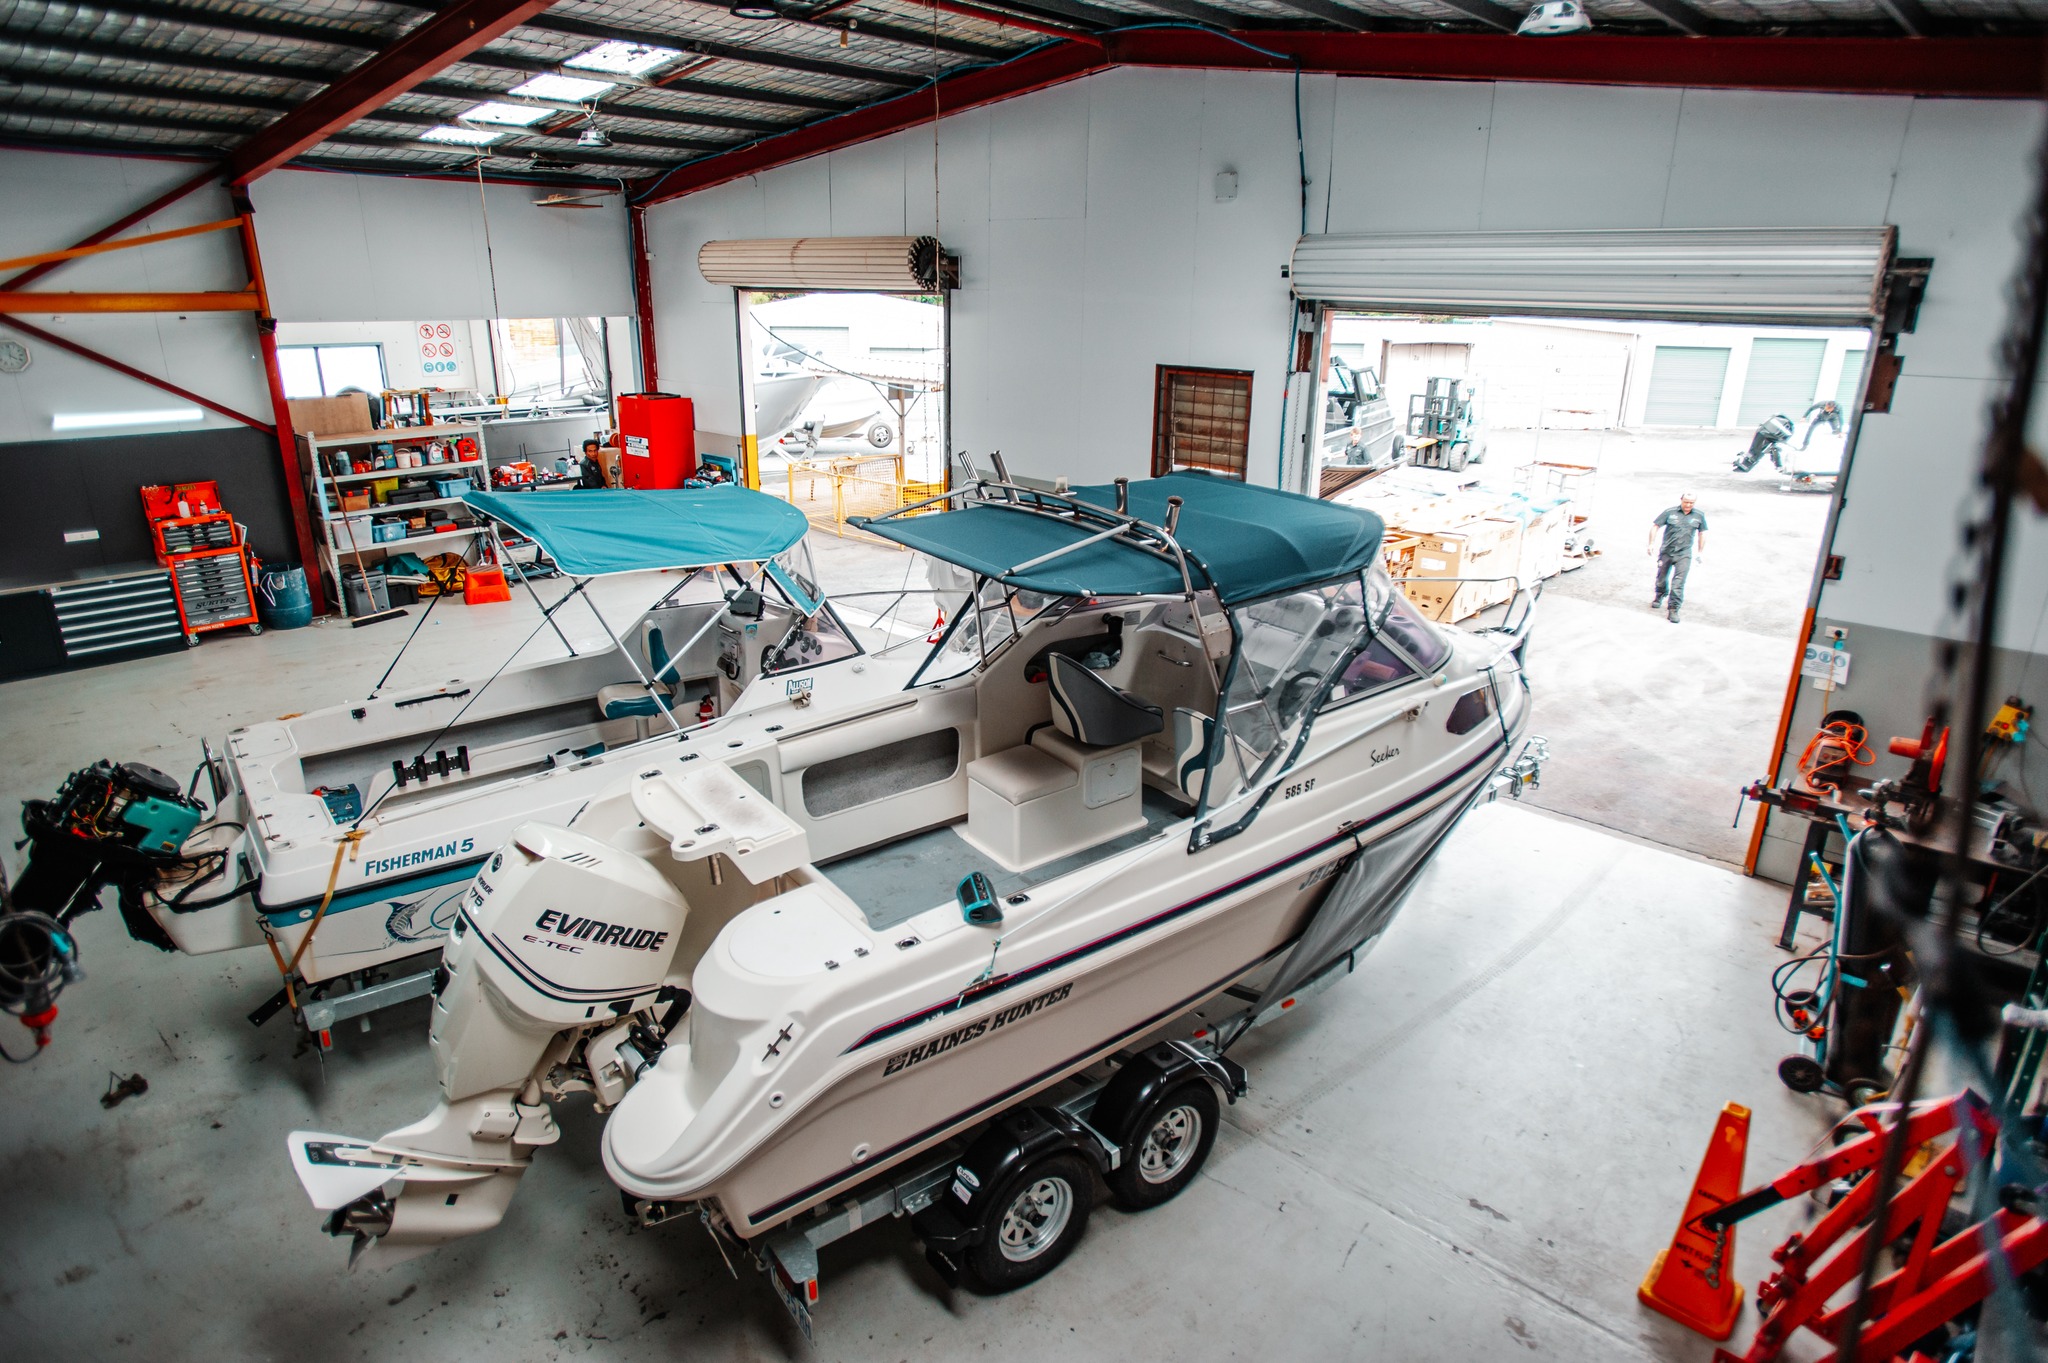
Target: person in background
(1680,525)
(593,464)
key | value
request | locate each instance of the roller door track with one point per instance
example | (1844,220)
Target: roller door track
(1685,385)
(1782,377)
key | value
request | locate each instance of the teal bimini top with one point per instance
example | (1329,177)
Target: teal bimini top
(592,531)
(1245,541)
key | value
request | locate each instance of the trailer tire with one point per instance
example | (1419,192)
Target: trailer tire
(1034,1222)
(1169,1144)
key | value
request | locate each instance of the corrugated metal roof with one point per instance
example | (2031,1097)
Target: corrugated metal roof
(201,74)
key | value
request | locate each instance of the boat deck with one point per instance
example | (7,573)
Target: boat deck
(897,881)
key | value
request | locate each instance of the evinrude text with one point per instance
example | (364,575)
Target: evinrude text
(597,932)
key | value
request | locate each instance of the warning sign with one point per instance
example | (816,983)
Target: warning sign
(444,361)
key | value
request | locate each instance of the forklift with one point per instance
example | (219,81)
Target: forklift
(1443,425)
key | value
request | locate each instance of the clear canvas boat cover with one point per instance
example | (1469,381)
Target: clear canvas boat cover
(592,531)
(1245,541)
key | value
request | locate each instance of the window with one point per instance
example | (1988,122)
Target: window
(1378,666)
(1202,419)
(321,371)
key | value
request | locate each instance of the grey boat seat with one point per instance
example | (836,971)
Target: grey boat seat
(1090,710)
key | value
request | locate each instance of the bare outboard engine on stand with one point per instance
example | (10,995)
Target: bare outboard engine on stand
(123,826)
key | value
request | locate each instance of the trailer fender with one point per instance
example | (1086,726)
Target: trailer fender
(1151,1072)
(958,1218)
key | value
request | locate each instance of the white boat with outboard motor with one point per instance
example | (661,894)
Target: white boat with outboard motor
(343,837)
(1176,761)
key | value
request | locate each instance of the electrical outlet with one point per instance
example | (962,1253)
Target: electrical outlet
(1837,633)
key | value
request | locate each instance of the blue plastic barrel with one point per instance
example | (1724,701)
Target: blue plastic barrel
(282,601)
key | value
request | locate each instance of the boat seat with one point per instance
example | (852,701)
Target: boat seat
(630,700)
(1088,709)
(1052,797)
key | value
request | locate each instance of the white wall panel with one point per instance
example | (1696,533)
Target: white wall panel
(1578,156)
(868,188)
(798,204)
(1038,154)
(1745,157)
(1412,153)
(363,248)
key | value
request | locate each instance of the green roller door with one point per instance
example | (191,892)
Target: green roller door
(1849,392)
(1783,376)
(1685,385)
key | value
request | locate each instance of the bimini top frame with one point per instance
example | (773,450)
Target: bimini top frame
(1170,536)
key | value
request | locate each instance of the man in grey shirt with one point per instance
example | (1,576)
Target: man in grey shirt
(1679,524)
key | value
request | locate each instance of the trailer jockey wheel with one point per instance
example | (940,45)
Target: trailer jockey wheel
(1801,1073)
(1169,1143)
(1033,1222)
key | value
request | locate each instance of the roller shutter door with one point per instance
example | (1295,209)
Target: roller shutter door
(857,264)
(1849,392)
(1815,276)
(1685,385)
(1782,377)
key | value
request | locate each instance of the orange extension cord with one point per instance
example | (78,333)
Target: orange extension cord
(1840,741)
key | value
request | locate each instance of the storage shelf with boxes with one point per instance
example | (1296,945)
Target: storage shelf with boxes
(378,492)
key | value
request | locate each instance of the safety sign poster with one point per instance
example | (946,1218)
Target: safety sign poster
(443,352)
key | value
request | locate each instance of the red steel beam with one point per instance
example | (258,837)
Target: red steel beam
(83,352)
(643,295)
(280,408)
(443,40)
(1998,68)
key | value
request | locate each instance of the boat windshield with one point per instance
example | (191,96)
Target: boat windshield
(983,623)
(1291,648)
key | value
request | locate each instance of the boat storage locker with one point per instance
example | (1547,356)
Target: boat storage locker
(1685,385)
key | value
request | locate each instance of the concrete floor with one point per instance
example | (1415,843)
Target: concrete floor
(1471,1151)
(1658,726)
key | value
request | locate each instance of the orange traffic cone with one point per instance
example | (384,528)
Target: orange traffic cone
(1693,1282)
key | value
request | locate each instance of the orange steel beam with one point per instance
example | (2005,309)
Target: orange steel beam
(54,257)
(1779,741)
(55,304)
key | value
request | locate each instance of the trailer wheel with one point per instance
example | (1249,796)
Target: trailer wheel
(1033,1223)
(1169,1144)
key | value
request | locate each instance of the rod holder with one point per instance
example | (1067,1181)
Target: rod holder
(967,468)
(1002,470)
(1123,496)
(1172,513)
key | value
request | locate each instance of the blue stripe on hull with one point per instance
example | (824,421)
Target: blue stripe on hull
(380,892)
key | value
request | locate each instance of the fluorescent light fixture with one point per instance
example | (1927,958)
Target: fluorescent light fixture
(86,421)
(471,137)
(628,59)
(518,115)
(573,89)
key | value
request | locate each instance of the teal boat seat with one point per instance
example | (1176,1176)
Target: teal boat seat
(630,700)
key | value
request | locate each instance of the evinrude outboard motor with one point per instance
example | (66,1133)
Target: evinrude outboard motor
(553,982)
(1770,437)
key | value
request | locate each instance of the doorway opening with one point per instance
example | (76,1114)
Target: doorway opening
(848,399)
(1547,449)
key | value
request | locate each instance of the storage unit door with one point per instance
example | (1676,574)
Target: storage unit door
(1782,377)
(1685,385)
(1849,391)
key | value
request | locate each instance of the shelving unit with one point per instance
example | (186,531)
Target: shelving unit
(324,489)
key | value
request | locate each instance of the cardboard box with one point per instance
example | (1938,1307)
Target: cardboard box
(1446,602)
(348,414)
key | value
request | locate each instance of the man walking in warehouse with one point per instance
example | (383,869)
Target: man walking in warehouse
(1680,525)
